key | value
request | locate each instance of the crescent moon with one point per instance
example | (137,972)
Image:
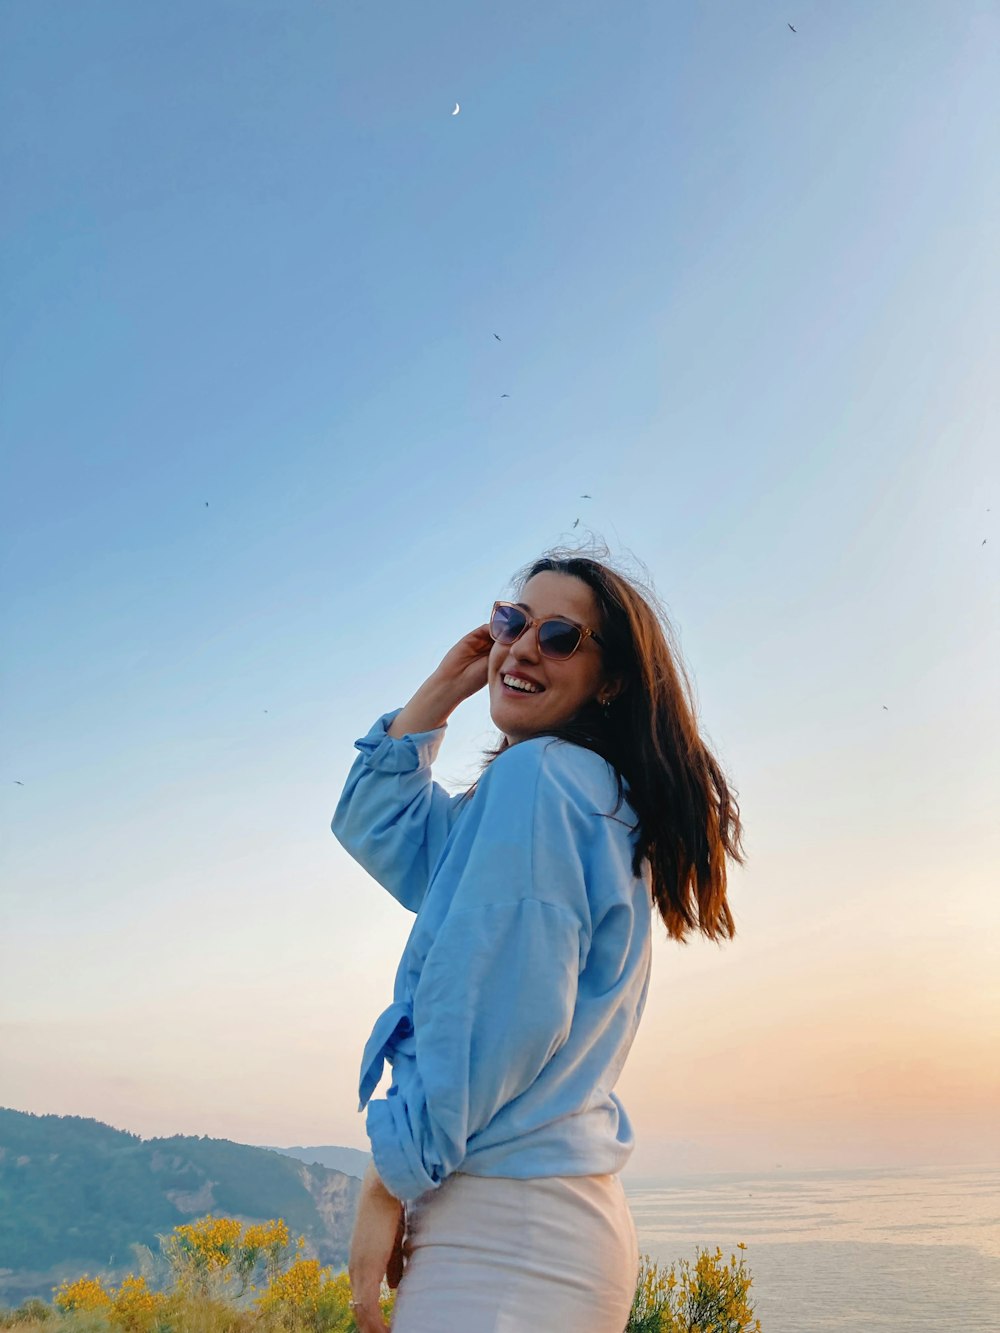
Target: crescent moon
(457,109)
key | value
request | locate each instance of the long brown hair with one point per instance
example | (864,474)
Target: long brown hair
(688,818)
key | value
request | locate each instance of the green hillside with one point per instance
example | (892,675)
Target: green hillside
(76,1192)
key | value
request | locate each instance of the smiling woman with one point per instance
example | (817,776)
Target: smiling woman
(495,1197)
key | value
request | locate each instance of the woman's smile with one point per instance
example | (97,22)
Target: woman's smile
(514,683)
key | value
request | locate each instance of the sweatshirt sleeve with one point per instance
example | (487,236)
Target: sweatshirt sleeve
(497,993)
(392,817)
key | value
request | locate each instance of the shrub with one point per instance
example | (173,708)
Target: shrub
(306,1297)
(32,1311)
(134,1307)
(705,1299)
(86,1293)
(206,1256)
(651,1303)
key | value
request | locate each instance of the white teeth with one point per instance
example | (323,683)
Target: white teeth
(516,684)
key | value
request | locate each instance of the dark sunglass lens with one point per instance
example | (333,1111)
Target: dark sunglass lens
(507,623)
(557,638)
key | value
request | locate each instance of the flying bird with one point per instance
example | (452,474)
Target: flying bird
(457,109)
(983,542)
(17,783)
(206,504)
(793,29)
(577,521)
(498,338)
(505,395)
(586,497)
(884,709)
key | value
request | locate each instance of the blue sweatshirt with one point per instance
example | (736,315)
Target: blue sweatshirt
(525,974)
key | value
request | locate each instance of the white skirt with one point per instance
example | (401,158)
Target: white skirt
(489,1254)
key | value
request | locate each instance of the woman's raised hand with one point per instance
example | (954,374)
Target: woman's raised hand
(464,667)
(462,673)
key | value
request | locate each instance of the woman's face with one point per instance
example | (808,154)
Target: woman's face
(562,687)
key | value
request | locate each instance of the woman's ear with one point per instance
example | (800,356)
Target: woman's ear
(614,688)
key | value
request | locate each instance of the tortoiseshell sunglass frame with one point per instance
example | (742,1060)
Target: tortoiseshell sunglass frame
(582,630)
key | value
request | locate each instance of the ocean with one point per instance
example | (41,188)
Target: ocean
(914,1251)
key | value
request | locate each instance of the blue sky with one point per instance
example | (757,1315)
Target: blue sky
(745,284)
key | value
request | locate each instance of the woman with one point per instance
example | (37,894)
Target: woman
(494,1200)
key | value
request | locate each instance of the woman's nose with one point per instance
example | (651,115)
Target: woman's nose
(527,645)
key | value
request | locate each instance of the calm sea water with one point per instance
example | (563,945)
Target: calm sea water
(851,1251)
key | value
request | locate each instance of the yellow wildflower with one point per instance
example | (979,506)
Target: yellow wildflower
(134,1305)
(86,1293)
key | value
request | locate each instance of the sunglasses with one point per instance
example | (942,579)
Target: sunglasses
(557,638)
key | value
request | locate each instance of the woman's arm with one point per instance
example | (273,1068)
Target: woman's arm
(374,1245)
(391,816)
(429,709)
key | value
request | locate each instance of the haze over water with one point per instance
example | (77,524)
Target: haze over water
(907,1251)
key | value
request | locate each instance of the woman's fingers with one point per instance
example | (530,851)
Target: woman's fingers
(369,1319)
(466,664)
(471,647)
(366,1309)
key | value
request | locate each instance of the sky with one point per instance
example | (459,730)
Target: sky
(258,477)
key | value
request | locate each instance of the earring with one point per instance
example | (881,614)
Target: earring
(606,708)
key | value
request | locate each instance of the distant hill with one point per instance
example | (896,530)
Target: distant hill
(352,1161)
(76,1194)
